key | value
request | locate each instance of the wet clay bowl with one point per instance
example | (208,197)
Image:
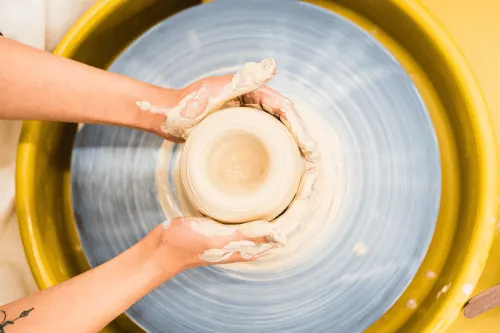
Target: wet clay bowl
(231,166)
(469,196)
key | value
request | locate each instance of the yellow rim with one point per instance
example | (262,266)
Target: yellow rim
(487,160)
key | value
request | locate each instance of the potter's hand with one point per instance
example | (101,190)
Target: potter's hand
(106,291)
(281,107)
(273,102)
(196,241)
(208,95)
(245,88)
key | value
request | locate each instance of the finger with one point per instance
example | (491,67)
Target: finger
(263,230)
(211,95)
(260,240)
(250,77)
(223,241)
(307,183)
(304,202)
(307,145)
(207,96)
(171,138)
(274,103)
(246,248)
(220,235)
(257,231)
(295,124)
(266,99)
(181,118)
(235,102)
(248,255)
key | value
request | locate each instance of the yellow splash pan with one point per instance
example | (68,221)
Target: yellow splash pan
(470,197)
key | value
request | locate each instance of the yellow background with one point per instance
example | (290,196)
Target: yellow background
(475,26)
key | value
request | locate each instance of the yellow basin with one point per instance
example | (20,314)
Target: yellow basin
(470,196)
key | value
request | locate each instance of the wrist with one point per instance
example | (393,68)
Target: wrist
(157,259)
(156,96)
(124,111)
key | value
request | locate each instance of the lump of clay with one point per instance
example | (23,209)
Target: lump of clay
(241,164)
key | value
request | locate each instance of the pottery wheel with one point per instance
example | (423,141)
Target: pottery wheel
(386,208)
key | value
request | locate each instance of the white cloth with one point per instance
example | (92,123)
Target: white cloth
(60,16)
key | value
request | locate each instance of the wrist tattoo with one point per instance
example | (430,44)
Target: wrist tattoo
(6,322)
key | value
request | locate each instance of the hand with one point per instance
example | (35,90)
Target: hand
(209,95)
(274,103)
(269,100)
(195,241)
(245,88)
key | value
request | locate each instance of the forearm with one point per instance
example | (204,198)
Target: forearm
(89,301)
(38,85)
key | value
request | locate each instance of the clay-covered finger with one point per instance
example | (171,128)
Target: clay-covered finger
(274,103)
(251,253)
(263,240)
(307,183)
(246,248)
(251,77)
(197,104)
(301,205)
(246,256)
(258,232)
(263,229)
(222,241)
(307,145)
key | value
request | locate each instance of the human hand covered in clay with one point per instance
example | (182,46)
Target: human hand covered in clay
(271,101)
(274,103)
(209,95)
(198,241)
(245,88)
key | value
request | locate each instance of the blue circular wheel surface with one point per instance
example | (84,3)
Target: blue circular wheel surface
(369,251)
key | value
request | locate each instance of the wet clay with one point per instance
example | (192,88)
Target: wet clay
(241,165)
